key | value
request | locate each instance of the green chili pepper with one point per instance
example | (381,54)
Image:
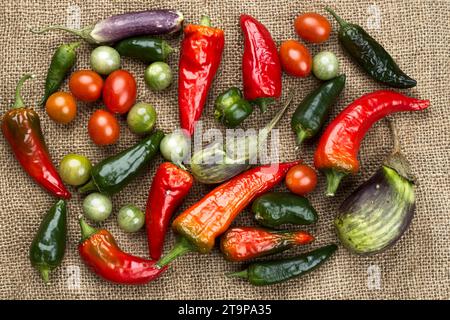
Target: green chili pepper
(62,61)
(49,244)
(274,209)
(145,49)
(313,111)
(370,55)
(275,271)
(112,174)
(232,108)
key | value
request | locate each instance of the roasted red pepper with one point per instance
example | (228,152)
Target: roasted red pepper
(169,187)
(261,68)
(245,243)
(337,152)
(201,52)
(202,223)
(100,252)
(22,128)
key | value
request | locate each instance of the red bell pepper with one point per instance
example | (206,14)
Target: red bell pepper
(170,186)
(261,67)
(336,154)
(22,128)
(100,252)
(201,52)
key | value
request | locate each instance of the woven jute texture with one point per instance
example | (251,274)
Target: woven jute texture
(416,33)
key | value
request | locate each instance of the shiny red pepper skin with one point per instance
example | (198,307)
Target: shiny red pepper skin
(170,186)
(245,243)
(261,68)
(101,253)
(338,147)
(22,129)
(201,52)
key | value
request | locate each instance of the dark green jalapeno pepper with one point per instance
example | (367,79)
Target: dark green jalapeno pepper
(232,108)
(370,55)
(49,244)
(276,271)
(274,209)
(145,49)
(63,60)
(314,109)
(112,174)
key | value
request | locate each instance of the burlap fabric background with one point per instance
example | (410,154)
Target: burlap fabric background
(417,34)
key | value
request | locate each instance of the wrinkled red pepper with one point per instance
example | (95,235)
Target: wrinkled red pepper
(337,152)
(261,68)
(22,128)
(100,252)
(201,52)
(170,186)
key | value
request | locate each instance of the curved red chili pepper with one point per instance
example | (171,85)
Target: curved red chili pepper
(261,68)
(169,187)
(101,253)
(22,128)
(338,147)
(201,52)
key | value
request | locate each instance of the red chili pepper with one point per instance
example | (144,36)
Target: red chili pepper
(244,243)
(22,128)
(201,52)
(202,223)
(261,68)
(337,152)
(100,252)
(169,187)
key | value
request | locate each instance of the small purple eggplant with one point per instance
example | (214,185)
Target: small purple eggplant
(121,26)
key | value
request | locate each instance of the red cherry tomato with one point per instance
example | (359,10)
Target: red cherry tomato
(312,27)
(295,58)
(86,85)
(119,91)
(103,128)
(301,179)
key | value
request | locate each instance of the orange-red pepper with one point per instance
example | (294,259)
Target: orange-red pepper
(202,223)
(336,154)
(244,243)
(201,52)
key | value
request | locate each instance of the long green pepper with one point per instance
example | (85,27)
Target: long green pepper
(63,60)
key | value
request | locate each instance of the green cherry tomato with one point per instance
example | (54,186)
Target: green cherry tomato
(75,169)
(105,60)
(141,118)
(130,218)
(97,207)
(175,146)
(158,76)
(325,65)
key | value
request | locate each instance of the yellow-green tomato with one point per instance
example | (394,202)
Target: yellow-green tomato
(158,76)
(97,207)
(105,60)
(130,218)
(75,169)
(141,118)
(325,65)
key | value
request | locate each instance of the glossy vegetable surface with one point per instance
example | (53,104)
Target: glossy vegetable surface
(61,107)
(105,60)
(103,128)
(141,118)
(301,179)
(312,27)
(86,85)
(325,65)
(295,58)
(119,92)
(175,146)
(75,169)
(97,207)
(231,108)
(158,76)
(130,218)
(144,48)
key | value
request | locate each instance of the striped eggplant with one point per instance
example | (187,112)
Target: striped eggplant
(377,214)
(126,25)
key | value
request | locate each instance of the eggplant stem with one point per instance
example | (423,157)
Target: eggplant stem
(395,136)
(83,33)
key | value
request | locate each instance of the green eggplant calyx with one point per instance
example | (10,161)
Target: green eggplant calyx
(333,180)
(342,22)
(86,230)
(182,247)
(18,102)
(243,274)
(84,33)
(90,186)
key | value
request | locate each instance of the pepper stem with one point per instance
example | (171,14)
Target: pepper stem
(182,247)
(88,187)
(263,103)
(333,179)
(341,21)
(205,21)
(86,230)
(45,273)
(18,102)
(239,274)
(82,33)
(301,136)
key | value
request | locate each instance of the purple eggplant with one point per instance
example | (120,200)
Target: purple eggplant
(121,26)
